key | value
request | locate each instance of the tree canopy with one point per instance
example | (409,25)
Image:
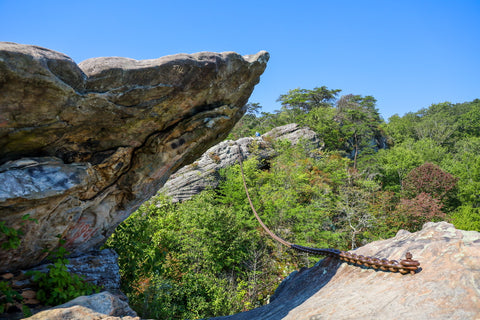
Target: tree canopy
(208,256)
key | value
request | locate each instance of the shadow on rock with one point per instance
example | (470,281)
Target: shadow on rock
(298,287)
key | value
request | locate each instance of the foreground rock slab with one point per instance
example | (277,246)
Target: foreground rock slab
(82,146)
(447,287)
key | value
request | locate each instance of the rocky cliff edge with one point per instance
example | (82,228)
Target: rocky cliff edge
(446,287)
(82,146)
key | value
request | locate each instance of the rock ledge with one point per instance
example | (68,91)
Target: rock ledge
(82,146)
(447,287)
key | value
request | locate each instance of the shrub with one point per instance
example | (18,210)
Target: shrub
(419,210)
(58,285)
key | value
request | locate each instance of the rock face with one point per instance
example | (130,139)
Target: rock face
(82,146)
(447,287)
(295,134)
(97,267)
(203,173)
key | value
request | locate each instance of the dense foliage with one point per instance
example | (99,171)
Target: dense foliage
(208,256)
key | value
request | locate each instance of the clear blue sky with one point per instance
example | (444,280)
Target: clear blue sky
(407,54)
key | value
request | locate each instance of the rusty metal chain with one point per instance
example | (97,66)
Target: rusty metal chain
(407,265)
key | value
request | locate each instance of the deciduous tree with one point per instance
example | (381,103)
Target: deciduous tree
(306,100)
(419,210)
(359,123)
(432,180)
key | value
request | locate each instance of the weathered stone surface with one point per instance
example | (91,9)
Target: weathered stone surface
(203,173)
(97,267)
(82,146)
(76,313)
(36,178)
(447,287)
(102,305)
(294,133)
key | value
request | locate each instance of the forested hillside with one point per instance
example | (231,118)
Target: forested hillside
(208,256)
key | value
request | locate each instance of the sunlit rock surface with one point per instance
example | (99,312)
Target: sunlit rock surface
(447,287)
(82,146)
(204,172)
(102,305)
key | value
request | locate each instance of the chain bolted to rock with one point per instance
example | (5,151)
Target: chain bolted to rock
(407,265)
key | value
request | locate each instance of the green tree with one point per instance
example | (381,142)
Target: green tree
(402,129)
(395,163)
(465,164)
(438,123)
(322,121)
(353,207)
(359,122)
(430,151)
(306,100)
(313,108)
(177,261)
(387,222)
(467,217)
(443,123)
(469,121)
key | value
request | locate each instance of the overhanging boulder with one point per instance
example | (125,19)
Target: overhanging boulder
(82,146)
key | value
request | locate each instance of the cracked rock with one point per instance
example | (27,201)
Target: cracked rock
(82,146)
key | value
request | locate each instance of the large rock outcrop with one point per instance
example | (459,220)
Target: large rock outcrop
(204,172)
(446,287)
(82,146)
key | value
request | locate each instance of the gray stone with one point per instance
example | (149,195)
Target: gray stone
(37,178)
(97,267)
(83,146)
(204,172)
(103,302)
(76,313)
(293,133)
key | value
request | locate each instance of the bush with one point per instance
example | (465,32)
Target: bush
(419,210)
(467,218)
(58,286)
